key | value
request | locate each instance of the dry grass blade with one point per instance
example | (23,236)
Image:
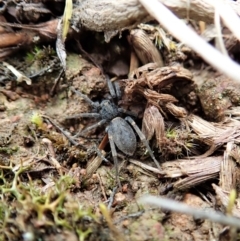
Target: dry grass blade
(193,180)
(20,77)
(60,46)
(184,34)
(93,165)
(228,15)
(146,167)
(175,206)
(66,18)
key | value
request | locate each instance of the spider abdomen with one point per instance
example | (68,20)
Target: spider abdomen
(123,136)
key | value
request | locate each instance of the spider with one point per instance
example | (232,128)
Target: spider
(120,131)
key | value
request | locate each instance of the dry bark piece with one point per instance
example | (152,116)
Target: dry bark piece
(144,48)
(113,16)
(160,78)
(209,130)
(31,34)
(213,134)
(175,80)
(178,112)
(227,172)
(156,98)
(195,171)
(108,15)
(153,123)
(30,12)
(204,129)
(92,166)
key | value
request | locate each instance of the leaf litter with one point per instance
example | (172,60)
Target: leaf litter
(51,189)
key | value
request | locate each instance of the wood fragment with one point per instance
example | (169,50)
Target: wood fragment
(144,48)
(193,172)
(227,172)
(159,78)
(109,15)
(153,124)
(186,167)
(223,196)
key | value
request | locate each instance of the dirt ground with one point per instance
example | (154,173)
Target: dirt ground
(56,186)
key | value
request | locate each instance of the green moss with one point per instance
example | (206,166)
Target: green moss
(54,209)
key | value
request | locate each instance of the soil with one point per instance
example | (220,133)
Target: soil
(58,187)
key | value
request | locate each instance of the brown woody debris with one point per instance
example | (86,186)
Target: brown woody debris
(153,124)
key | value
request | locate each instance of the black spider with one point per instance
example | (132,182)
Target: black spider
(120,131)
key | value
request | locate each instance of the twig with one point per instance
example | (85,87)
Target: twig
(195,212)
(102,187)
(111,199)
(53,159)
(56,83)
(184,34)
(133,215)
(147,167)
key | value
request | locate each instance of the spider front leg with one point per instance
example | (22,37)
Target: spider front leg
(143,139)
(84,115)
(85,97)
(114,88)
(100,123)
(114,155)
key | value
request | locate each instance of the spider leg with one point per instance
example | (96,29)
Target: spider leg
(100,123)
(142,138)
(99,153)
(84,115)
(117,89)
(111,87)
(85,97)
(114,155)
